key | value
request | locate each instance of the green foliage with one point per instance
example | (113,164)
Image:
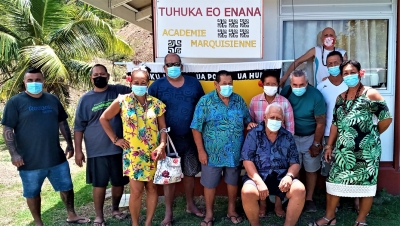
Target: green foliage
(56,37)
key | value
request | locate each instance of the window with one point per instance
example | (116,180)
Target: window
(364,40)
(365,29)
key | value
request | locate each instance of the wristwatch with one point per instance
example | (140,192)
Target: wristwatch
(318,145)
(290,175)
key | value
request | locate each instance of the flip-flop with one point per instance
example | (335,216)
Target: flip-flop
(96,223)
(120,216)
(208,222)
(79,221)
(169,223)
(238,219)
(200,214)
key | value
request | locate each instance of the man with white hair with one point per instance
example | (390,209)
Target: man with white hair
(319,54)
(270,157)
(309,117)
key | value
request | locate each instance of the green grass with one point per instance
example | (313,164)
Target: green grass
(1,140)
(13,206)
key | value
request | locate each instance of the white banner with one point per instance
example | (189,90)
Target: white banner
(209,28)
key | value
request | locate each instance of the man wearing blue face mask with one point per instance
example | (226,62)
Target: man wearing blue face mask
(180,94)
(104,159)
(309,117)
(331,88)
(271,160)
(32,121)
(218,123)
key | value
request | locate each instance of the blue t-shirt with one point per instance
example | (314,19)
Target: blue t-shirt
(305,108)
(180,102)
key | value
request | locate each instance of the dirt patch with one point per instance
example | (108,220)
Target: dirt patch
(140,40)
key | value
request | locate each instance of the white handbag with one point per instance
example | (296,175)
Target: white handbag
(169,169)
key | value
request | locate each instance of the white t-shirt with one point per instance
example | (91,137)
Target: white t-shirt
(321,71)
(330,93)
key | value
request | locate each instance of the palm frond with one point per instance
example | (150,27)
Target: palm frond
(8,48)
(80,72)
(16,16)
(44,58)
(49,14)
(60,89)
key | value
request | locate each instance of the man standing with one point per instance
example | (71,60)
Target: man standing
(180,94)
(32,120)
(309,116)
(331,88)
(218,124)
(319,54)
(104,161)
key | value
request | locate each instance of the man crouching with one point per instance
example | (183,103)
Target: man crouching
(271,160)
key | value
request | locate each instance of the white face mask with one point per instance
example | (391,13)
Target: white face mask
(270,90)
(274,125)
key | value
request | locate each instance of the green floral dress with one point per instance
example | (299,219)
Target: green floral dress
(354,172)
(141,131)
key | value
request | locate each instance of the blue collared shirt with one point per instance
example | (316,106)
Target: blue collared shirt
(270,157)
(221,127)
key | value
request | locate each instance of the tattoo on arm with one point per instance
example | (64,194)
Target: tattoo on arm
(66,132)
(9,138)
(320,119)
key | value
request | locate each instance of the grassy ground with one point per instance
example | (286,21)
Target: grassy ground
(14,211)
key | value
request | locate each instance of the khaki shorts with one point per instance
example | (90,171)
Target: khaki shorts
(303,144)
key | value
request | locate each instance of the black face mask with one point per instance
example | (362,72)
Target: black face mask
(100,82)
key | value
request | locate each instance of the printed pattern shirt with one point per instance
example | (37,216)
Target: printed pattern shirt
(258,104)
(222,128)
(270,156)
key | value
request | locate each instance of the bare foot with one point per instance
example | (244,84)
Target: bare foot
(280,212)
(195,211)
(119,215)
(167,221)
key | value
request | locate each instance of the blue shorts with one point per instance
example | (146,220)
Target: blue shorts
(59,177)
(211,175)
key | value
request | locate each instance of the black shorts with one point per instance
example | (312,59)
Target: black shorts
(100,170)
(272,183)
(187,150)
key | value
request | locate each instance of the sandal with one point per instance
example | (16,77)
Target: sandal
(238,219)
(328,223)
(361,223)
(208,222)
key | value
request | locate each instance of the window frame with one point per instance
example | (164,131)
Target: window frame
(392,29)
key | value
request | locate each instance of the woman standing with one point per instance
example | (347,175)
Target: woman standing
(354,172)
(143,122)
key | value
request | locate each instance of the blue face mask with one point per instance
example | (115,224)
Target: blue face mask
(34,87)
(274,125)
(299,91)
(139,90)
(174,71)
(351,80)
(334,71)
(226,90)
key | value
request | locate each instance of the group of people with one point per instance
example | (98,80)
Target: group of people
(125,132)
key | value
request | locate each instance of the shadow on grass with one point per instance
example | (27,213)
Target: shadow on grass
(384,210)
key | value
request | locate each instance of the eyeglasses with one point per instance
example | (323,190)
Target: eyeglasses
(176,64)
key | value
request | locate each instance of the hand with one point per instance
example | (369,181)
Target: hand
(285,184)
(79,158)
(314,151)
(17,160)
(251,125)
(69,151)
(124,144)
(159,153)
(328,154)
(323,79)
(203,157)
(262,190)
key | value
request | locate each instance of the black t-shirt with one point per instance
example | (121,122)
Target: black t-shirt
(36,126)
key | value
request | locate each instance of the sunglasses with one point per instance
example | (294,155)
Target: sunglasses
(140,68)
(177,64)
